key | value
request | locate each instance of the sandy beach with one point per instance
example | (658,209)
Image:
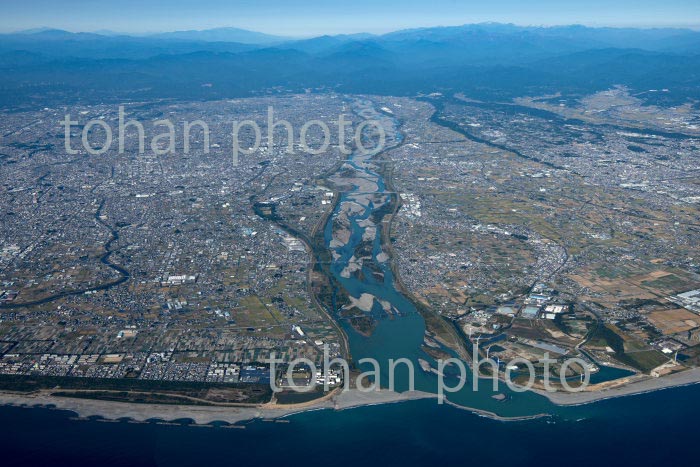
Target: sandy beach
(637,385)
(204,415)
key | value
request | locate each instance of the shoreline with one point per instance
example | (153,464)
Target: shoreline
(202,415)
(643,385)
(206,415)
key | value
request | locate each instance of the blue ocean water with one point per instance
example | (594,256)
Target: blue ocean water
(645,430)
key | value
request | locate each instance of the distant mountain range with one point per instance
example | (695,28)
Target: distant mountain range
(242,36)
(482,59)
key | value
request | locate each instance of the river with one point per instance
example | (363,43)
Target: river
(400,332)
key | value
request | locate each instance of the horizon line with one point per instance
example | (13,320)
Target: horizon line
(107,32)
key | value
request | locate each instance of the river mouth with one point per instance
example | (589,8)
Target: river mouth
(382,323)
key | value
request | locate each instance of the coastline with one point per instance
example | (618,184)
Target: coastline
(202,415)
(640,385)
(206,415)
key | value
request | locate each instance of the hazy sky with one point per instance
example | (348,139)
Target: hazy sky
(313,17)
